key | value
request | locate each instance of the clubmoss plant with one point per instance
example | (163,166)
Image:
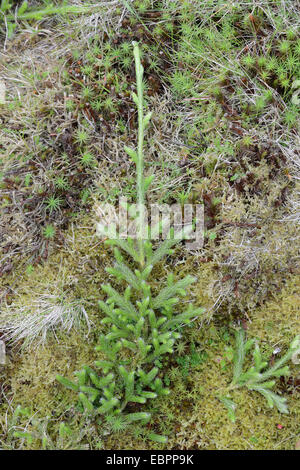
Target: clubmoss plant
(26,431)
(142,325)
(260,376)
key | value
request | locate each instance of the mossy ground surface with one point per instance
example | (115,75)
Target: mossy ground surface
(225,134)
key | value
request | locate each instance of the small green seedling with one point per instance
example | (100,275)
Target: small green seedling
(260,377)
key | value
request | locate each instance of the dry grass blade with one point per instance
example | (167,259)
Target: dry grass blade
(46,315)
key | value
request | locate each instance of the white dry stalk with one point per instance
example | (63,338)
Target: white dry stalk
(34,323)
(291,151)
(293,204)
(2,353)
(2,92)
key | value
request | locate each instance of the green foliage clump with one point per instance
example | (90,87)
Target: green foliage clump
(49,231)
(260,377)
(25,430)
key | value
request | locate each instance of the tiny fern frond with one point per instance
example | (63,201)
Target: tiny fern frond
(122,271)
(126,246)
(121,301)
(161,251)
(257,377)
(169,291)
